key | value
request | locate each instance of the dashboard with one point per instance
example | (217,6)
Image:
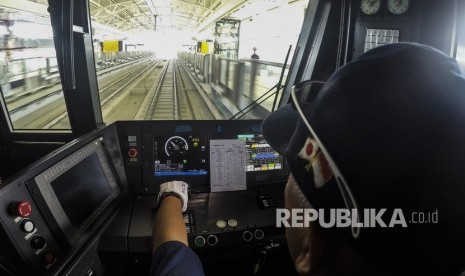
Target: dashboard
(98,193)
(156,152)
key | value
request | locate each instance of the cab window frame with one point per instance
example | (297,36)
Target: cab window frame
(70,21)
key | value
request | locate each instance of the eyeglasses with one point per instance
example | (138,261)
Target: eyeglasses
(346,192)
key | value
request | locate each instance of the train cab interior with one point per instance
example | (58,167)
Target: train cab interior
(80,201)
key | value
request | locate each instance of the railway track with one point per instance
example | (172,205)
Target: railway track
(169,103)
(23,100)
(16,105)
(110,92)
(151,90)
(201,106)
(112,88)
(176,97)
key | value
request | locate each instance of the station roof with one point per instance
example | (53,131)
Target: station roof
(137,15)
(132,16)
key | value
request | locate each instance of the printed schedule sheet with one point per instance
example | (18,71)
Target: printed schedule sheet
(227,165)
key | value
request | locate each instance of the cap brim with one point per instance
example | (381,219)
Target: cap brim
(279,127)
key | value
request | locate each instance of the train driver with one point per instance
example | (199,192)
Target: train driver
(381,150)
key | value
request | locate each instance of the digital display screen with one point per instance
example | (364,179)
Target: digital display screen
(189,151)
(180,156)
(81,189)
(76,190)
(260,155)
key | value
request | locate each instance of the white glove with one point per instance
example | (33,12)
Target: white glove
(176,188)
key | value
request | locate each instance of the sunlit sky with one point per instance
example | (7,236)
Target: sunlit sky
(271,32)
(164,43)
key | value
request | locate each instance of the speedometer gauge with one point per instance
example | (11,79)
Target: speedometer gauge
(176,145)
(398,6)
(370,7)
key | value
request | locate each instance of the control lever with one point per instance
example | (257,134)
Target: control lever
(264,200)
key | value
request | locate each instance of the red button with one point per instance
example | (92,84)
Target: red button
(24,209)
(132,152)
(48,257)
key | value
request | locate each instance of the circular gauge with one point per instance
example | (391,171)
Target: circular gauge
(176,145)
(370,7)
(398,6)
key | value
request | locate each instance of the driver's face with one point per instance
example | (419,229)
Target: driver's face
(295,237)
(304,244)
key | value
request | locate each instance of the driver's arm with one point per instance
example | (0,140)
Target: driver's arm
(169,222)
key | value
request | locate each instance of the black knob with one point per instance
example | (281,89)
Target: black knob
(199,241)
(247,235)
(212,240)
(37,242)
(259,234)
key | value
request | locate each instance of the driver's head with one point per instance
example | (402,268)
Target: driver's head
(392,125)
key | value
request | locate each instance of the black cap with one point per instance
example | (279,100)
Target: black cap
(393,120)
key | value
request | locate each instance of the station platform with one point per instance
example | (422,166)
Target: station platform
(239,87)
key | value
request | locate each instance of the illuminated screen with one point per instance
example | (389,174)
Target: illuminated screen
(180,156)
(260,155)
(81,189)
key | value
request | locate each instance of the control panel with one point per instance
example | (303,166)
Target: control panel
(30,232)
(381,22)
(55,209)
(217,223)
(234,219)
